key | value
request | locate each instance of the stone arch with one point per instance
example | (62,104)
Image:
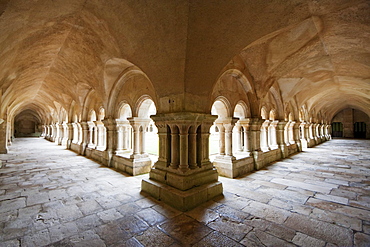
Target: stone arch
(242,110)
(144,107)
(221,107)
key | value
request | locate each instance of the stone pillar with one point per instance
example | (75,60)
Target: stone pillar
(101,135)
(139,126)
(296,136)
(85,137)
(304,137)
(91,135)
(264,136)
(221,134)
(282,126)
(193,147)
(70,134)
(273,135)
(65,134)
(111,143)
(244,123)
(3,138)
(255,128)
(187,185)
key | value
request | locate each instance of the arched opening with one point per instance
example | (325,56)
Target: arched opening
(240,132)
(92,138)
(146,141)
(264,132)
(124,130)
(218,139)
(27,124)
(101,131)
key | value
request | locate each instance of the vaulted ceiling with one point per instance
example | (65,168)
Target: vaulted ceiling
(52,52)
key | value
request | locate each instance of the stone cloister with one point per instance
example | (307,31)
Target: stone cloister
(184,90)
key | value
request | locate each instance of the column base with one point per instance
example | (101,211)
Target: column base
(230,167)
(132,166)
(181,200)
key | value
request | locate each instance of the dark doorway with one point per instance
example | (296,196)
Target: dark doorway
(359,130)
(337,129)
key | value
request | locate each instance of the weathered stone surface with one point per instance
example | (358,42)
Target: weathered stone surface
(185,229)
(154,237)
(304,240)
(134,219)
(320,230)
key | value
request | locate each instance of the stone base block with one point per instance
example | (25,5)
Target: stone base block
(132,166)
(186,180)
(181,200)
(233,168)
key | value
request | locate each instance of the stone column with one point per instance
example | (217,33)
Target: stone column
(281,138)
(101,134)
(273,135)
(85,137)
(304,136)
(111,143)
(70,135)
(264,136)
(296,136)
(193,147)
(184,147)
(64,139)
(238,133)
(255,130)
(3,138)
(139,126)
(91,135)
(244,123)
(229,139)
(221,134)
(174,146)
(187,185)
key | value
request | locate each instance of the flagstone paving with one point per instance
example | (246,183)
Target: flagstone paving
(50,196)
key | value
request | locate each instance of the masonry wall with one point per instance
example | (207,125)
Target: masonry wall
(348,117)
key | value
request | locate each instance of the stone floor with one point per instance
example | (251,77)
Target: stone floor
(51,196)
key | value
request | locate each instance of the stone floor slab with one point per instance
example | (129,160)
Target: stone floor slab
(50,196)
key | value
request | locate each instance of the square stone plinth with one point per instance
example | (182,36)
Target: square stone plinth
(181,200)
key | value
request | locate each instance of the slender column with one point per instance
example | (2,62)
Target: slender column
(228,139)
(193,147)
(221,134)
(136,129)
(91,135)
(264,136)
(203,146)
(273,135)
(144,125)
(246,134)
(238,133)
(296,135)
(174,146)
(184,147)
(164,143)
(120,137)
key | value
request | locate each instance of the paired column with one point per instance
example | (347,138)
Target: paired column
(264,136)
(139,126)
(225,127)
